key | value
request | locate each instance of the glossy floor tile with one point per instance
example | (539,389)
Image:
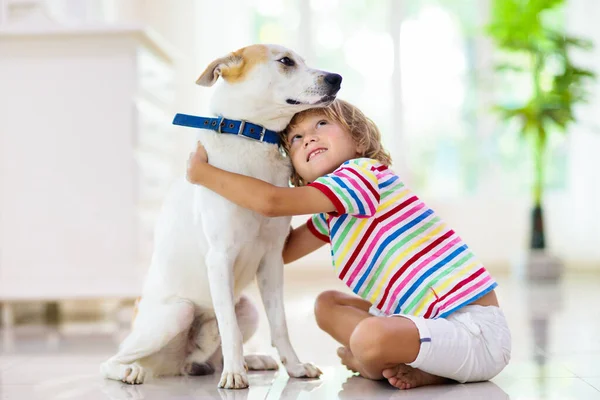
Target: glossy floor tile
(556,354)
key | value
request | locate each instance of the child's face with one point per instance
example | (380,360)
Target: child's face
(318,146)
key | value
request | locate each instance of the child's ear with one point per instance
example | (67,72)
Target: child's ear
(361,149)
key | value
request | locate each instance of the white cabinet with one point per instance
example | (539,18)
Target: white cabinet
(86,156)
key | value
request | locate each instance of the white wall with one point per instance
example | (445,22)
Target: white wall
(576,220)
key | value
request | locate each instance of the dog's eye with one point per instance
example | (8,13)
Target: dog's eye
(288,62)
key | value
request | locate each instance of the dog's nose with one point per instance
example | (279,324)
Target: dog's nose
(334,80)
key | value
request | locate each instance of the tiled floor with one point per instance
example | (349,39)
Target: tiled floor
(556,354)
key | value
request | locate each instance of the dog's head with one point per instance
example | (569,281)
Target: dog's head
(267,85)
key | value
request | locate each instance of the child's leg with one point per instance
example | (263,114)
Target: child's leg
(338,314)
(372,344)
(388,343)
(470,345)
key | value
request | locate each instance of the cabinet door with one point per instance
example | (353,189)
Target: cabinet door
(67,184)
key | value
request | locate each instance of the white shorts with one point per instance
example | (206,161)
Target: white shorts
(470,345)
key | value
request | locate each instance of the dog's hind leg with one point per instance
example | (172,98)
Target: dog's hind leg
(154,327)
(247,317)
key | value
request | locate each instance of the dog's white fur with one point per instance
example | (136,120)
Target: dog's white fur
(207,249)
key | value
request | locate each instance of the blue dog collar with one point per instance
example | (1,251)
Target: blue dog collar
(231,126)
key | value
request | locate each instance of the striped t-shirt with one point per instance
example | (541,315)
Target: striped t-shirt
(391,249)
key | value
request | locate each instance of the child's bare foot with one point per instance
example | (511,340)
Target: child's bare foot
(352,363)
(404,377)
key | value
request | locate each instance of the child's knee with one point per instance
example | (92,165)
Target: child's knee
(383,340)
(368,341)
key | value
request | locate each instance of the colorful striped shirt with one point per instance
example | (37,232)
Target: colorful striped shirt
(393,250)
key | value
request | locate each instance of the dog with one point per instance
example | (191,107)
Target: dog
(192,317)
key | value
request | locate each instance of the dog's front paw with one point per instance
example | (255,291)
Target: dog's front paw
(308,370)
(234,380)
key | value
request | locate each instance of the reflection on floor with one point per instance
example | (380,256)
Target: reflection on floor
(556,354)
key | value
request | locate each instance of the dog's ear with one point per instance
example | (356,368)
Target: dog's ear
(217,68)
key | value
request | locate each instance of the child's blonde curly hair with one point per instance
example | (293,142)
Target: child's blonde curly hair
(362,129)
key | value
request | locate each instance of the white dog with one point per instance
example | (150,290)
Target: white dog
(207,249)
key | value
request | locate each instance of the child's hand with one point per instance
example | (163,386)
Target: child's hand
(195,163)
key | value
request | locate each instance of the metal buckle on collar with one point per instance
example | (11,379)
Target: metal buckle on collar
(262,133)
(220,124)
(241,130)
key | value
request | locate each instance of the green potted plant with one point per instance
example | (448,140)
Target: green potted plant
(533,45)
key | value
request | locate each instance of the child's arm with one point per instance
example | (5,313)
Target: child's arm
(255,194)
(300,242)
